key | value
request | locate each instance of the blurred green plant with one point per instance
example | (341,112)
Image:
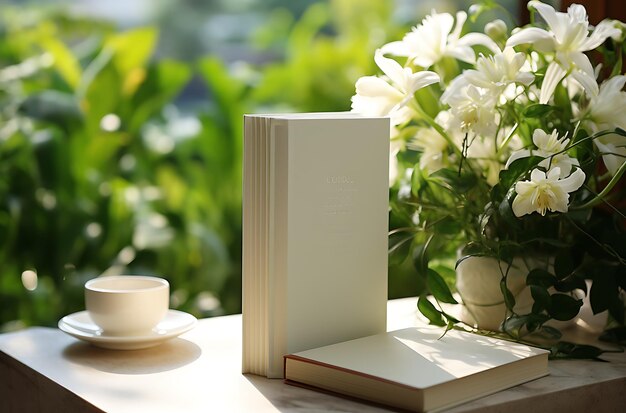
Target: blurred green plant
(102,174)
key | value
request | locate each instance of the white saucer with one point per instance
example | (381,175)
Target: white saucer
(81,326)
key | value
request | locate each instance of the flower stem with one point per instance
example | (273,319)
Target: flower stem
(508,138)
(600,197)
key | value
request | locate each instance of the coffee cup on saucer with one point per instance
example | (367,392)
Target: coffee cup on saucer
(127,305)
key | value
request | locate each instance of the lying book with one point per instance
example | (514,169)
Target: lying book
(415,369)
(315,223)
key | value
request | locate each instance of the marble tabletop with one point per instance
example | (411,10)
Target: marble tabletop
(44,370)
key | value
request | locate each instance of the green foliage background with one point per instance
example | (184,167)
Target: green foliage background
(101,171)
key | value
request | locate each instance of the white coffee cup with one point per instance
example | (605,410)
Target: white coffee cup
(126,305)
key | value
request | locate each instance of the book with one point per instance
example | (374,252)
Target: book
(416,368)
(315,224)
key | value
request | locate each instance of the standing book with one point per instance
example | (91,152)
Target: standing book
(315,223)
(416,369)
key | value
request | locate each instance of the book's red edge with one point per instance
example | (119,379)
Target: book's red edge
(345,370)
(344,396)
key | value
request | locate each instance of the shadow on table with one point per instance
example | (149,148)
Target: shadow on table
(287,398)
(167,356)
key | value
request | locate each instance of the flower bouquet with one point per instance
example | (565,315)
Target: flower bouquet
(508,146)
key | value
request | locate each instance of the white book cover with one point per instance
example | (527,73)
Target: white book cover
(315,233)
(417,368)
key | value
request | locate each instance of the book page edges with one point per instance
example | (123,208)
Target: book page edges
(407,397)
(354,384)
(248,307)
(278,252)
(507,376)
(342,395)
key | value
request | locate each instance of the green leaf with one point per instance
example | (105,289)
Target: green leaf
(565,350)
(617,68)
(507,252)
(552,332)
(450,325)
(620,131)
(132,49)
(399,247)
(448,274)
(553,242)
(605,295)
(430,312)
(514,324)
(447,226)
(418,181)
(541,296)
(427,101)
(535,321)
(64,61)
(603,289)
(540,277)
(462,183)
(226,90)
(537,110)
(439,288)
(101,89)
(517,170)
(615,335)
(564,307)
(163,81)
(420,257)
(563,264)
(471,249)
(571,283)
(562,102)
(509,299)
(505,209)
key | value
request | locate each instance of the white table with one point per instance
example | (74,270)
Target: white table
(44,370)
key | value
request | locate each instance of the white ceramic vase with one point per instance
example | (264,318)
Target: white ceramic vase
(478,283)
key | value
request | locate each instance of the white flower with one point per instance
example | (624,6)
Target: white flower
(395,146)
(499,71)
(550,147)
(471,108)
(434,39)
(548,144)
(433,147)
(568,37)
(545,192)
(605,112)
(606,109)
(484,150)
(376,96)
(496,29)
(612,147)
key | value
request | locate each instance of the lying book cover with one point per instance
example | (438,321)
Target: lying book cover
(416,369)
(315,233)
